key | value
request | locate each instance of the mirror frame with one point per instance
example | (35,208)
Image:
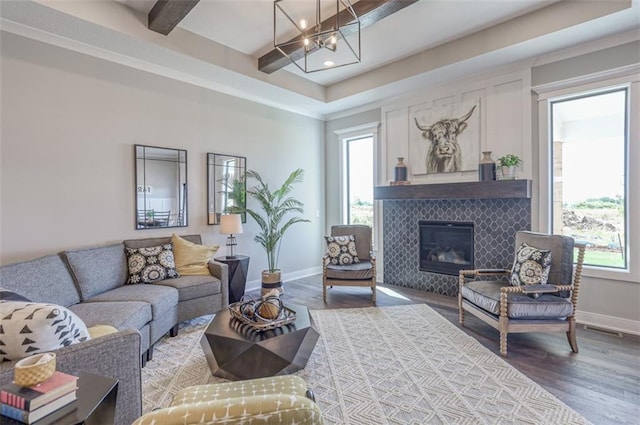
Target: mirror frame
(171,220)
(216,173)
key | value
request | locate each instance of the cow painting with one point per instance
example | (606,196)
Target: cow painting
(443,153)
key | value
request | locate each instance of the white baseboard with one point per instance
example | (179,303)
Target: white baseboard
(299,274)
(615,324)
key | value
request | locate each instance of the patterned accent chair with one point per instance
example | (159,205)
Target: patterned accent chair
(264,401)
(527,308)
(362,273)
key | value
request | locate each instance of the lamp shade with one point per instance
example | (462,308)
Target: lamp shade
(230,224)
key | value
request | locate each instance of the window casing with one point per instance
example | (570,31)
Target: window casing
(352,140)
(543,215)
(589,173)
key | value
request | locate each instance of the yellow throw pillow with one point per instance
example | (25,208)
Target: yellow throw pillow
(101,330)
(191,259)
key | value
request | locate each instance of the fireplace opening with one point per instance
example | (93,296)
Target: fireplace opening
(446,247)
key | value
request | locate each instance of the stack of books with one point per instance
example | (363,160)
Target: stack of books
(29,404)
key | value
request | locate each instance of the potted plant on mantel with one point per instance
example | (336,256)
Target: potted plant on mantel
(508,164)
(275,207)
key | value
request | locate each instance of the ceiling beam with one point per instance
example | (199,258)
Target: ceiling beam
(369,12)
(166,14)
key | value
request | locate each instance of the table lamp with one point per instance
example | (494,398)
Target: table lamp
(230,224)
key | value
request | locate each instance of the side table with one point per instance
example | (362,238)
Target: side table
(238,269)
(95,405)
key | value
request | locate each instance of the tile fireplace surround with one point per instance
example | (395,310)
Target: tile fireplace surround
(496,221)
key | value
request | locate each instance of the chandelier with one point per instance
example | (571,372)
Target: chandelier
(314,44)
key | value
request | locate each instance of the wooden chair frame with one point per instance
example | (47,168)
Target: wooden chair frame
(505,325)
(348,282)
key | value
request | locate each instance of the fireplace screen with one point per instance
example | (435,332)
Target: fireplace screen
(446,247)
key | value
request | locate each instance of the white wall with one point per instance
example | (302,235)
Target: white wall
(68,126)
(504,119)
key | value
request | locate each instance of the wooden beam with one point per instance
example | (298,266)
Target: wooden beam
(166,14)
(369,12)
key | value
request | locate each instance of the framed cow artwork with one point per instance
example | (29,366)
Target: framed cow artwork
(444,138)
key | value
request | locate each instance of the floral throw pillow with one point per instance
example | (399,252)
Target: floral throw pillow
(342,249)
(148,265)
(531,266)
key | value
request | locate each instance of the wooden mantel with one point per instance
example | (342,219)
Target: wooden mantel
(499,189)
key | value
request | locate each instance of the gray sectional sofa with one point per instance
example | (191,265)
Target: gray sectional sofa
(91,283)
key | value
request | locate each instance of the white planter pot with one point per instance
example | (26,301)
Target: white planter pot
(508,173)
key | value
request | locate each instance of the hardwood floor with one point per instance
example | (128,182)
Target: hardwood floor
(602,381)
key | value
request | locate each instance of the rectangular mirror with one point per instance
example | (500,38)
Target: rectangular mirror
(226,186)
(161,187)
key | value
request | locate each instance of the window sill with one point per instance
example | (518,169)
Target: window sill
(624,275)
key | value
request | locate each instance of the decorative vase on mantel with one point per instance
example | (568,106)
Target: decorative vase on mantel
(400,173)
(487,167)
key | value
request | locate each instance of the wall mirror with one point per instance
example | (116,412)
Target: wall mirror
(226,186)
(161,187)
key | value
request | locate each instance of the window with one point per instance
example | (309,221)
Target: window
(359,180)
(589,145)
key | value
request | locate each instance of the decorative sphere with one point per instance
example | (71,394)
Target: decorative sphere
(247,309)
(269,310)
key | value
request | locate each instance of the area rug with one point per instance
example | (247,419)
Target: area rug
(389,365)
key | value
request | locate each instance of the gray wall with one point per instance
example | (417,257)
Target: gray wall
(598,296)
(68,126)
(590,63)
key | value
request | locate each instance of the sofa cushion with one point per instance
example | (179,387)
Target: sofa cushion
(191,258)
(120,315)
(148,265)
(98,270)
(190,287)
(28,328)
(531,266)
(358,271)
(50,273)
(486,295)
(161,298)
(342,249)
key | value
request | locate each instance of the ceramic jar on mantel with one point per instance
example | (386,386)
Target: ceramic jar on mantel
(400,172)
(487,167)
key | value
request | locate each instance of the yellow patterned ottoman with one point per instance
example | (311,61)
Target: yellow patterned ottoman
(274,400)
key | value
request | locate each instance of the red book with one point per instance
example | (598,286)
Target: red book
(31,398)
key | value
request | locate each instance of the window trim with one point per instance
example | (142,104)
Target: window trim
(372,130)
(632,155)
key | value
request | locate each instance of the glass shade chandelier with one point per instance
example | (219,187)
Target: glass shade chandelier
(314,44)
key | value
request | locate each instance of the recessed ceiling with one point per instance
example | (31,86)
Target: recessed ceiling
(218,43)
(247,26)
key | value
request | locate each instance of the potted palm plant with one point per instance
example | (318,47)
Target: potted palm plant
(508,164)
(274,218)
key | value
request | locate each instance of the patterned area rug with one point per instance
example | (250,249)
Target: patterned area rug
(389,365)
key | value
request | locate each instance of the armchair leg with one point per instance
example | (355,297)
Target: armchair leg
(503,344)
(373,293)
(324,292)
(571,335)
(460,311)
